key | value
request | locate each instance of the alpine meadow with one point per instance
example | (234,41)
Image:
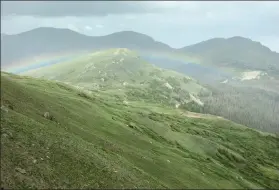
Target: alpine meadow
(99,106)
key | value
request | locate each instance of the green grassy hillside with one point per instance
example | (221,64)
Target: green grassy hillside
(122,72)
(93,140)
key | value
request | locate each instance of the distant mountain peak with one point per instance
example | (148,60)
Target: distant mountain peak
(132,34)
(51,31)
(128,32)
(238,38)
(235,52)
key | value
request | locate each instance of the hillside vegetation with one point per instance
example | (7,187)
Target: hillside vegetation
(57,136)
(248,106)
(125,75)
(122,72)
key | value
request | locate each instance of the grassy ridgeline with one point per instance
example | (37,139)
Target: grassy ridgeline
(121,71)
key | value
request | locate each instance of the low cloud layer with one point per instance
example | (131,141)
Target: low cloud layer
(71,8)
(175,23)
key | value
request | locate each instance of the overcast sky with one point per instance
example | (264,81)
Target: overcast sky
(175,23)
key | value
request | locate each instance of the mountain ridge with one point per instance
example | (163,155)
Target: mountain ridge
(239,52)
(14,47)
(130,32)
(235,52)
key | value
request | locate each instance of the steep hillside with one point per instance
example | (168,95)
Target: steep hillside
(123,72)
(235,52)
(55,136)
(250,106)
(53,40)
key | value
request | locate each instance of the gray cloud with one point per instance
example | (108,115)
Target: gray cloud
(72,8)
(177,23)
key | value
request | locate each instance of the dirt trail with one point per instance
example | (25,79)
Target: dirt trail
(194,115)
(199,115)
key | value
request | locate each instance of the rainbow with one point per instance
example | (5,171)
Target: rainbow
(36,62)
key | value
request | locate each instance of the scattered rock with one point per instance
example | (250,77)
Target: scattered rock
(46,115)
(20,170)
(168,86)
(47,156)
(42,159)
(132,125)
(7,134)
(35,161)
(10,134)
(4,109)
(125,83)
(177,105)
(168,161)
(150,142)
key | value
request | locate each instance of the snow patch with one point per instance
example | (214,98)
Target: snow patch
(225,81)
(197,100)
(250,75)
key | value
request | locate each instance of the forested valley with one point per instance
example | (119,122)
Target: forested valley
(249,106)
